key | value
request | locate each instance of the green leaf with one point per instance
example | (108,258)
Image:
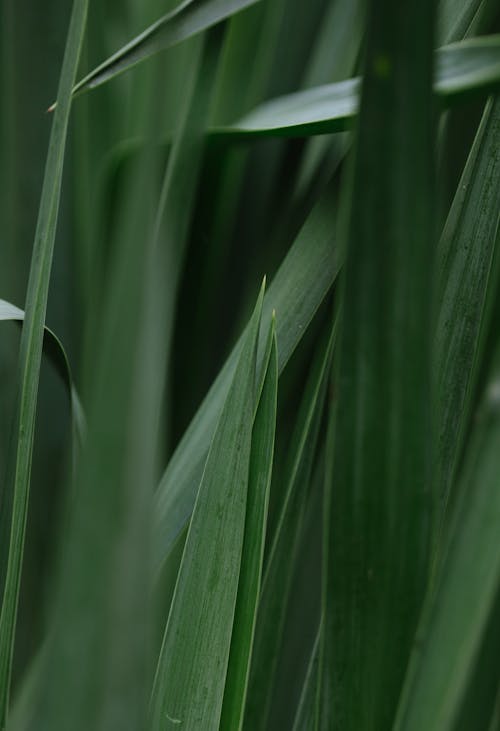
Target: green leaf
(298,289)
(17,490)
(189,18)
(285,543)
(468,282)
(458,613)
(55,352)
(259,481)
(379,502)
(189,683)
(469,66)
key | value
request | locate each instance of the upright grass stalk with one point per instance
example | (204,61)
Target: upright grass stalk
(379,503)
(16,496)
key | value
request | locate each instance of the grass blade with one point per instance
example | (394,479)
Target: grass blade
(278,574)
(189,684)
(461,68)
(468,284)
(458,613)
(189,18)
(379,502)
(259,482)
(31,350)
(300,286)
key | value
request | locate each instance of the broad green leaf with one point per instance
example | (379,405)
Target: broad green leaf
(298,289)
(54,350)
(284,545)
(189,683)
(305,719)
(259,481)
(468,282)
(379,504)
(189,18)
(17,490)
(458,612)
(469,66)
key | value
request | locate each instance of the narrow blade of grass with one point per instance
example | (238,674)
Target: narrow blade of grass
(379,501)
(261,459)
(461,68)
(284,545)
(188,19)
(468,284)
(300,286)
(457,617)
(96,668)
(189,684)
(17,489)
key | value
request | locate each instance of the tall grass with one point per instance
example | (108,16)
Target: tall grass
(224,507)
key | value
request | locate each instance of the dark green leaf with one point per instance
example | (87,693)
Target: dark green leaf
(468,271)
(259,481)
(458,613)
(189,683)
(379,504)
(284,545)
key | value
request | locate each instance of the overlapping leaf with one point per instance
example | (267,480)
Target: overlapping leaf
(379,509)
(284,545)
(189,684)
(300,286)
(459,611)
(461,68)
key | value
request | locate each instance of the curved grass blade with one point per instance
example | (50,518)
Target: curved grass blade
(279,571)
(461,68)
(298,289)
(468,281)
(31,349)
(188,19)
(458,613)
(189,683)
(55,352)
(379,502)
(259,482)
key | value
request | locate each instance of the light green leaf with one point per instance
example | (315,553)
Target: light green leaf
(469,66)
(285,543)
(259,481)
(298,289)
(17,490)
(189,683)
(458,613)
(468,282)
(379,502)
(189,18)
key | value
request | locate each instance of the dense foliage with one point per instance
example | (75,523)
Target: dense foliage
(250,479)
